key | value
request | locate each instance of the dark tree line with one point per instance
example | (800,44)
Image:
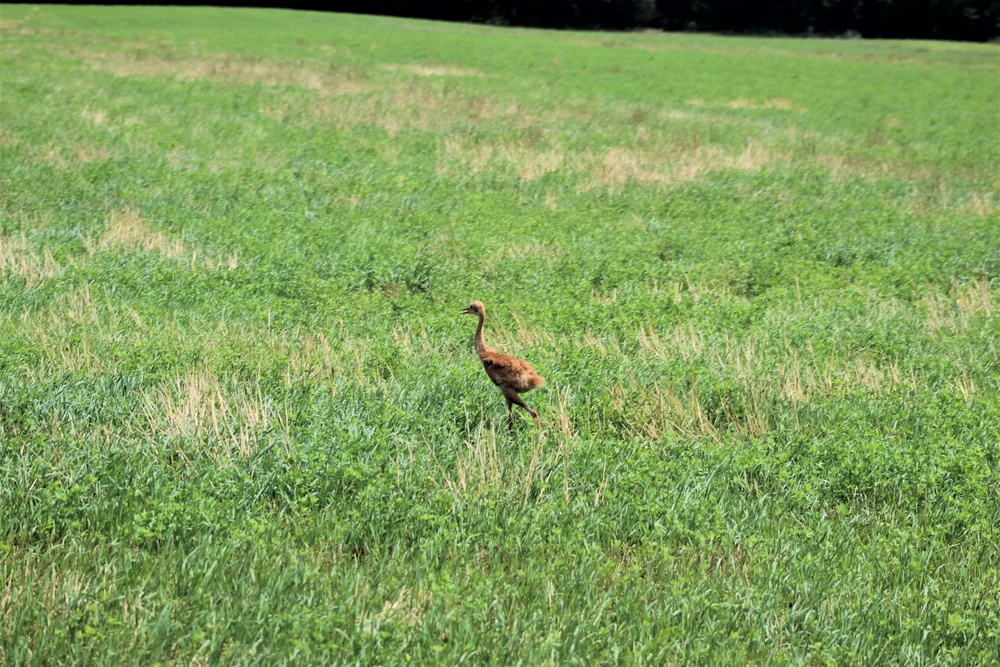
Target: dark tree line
(971,20)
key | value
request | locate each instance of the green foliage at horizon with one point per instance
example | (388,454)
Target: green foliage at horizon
(241,421)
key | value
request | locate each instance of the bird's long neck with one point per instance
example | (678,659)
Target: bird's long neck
(481,348)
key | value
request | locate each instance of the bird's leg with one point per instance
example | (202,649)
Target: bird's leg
(510,414)
(534,414)
(513,397)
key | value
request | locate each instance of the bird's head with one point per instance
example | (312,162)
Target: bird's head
(475,308)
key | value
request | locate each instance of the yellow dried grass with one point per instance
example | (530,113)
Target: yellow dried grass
(19,258)
(228,419)
(329,80)
(433,70)
(126,228)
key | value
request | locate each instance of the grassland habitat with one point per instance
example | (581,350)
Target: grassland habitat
(242,421)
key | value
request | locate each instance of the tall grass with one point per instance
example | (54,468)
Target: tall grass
(241,421)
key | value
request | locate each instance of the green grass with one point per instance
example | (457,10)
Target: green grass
(241,420)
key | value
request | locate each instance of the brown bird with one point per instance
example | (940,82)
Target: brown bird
(512,375)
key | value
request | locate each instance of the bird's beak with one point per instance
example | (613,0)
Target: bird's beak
(467,310)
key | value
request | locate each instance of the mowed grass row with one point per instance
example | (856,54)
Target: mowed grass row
(241,420)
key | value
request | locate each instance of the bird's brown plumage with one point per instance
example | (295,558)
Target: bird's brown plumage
(512,375)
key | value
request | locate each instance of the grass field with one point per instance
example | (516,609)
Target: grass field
(242,422)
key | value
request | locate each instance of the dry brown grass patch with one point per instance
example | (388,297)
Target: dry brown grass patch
(974,297)
(433,70)
(481,470)
(479,467)
(551,201)
(332,80)
(526,159)
(653,411)
(591,341)
(83,331)
(76,330)
(780,103)
(126,228)
(952,311)
(800,379)
(311,356)
(534,249)
(411,104)
(407,609)
(656,164)
(684,341)
(19,258)
(619,165)
(70,156)
(965,386)
(980,203)
(94,116)
(766,375)
(532,163)
(227,418)
(8,138)
(475,157)
(933,201)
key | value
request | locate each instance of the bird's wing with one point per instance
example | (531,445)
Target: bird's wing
(505,369)
(494,369)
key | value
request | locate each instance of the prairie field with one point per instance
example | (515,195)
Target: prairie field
(241,417)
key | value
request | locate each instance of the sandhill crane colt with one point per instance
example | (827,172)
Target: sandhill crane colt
(512,375)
